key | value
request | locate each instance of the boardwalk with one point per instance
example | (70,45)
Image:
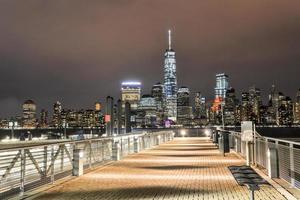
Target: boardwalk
(186,168)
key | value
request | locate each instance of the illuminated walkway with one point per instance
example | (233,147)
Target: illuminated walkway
(186,168)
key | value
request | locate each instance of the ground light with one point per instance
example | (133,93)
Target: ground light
(183,133)
(207,132)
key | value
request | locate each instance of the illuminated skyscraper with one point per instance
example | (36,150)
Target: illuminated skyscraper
(29,114)
(170,82)
(221,86)
(184,110)
(131,92)
(57,118)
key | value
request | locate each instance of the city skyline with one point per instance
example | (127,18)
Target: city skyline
(73,60)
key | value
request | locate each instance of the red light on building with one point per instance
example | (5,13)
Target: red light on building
(107,118)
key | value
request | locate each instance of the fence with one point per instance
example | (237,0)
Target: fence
(288,154)
(26,168)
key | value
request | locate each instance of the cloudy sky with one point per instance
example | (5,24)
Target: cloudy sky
(78,52)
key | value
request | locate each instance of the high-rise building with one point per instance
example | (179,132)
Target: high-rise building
(57,118)
(184,110)
(200,106)
(296,108)
(221,85)
(273,106)
(43,119)
(255,104)
(230,107)
(29,114)
(245,107)
(197,103)
(131,92)
(146,112)
(157,93)
(170,82)
(285,110)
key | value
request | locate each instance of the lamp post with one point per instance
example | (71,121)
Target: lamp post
(222,112)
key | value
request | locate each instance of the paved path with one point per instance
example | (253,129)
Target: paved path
(186,168)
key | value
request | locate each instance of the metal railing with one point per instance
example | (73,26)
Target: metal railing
(26,168)
(288,155)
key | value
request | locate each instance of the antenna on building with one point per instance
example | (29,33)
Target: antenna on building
(169,39)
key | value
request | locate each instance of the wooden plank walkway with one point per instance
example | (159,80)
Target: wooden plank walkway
(186,168)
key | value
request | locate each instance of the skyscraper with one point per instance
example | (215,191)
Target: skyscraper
(131,92)
(57,119)
(221,86)
(255,104)
(229,111)
(157,93)
(184,111)
(296,108)
(43,119)
(29,114)
(170,82)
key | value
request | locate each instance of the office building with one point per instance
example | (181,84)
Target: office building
(222,85)
(184,110)
(170,82)
(29,114)
(131,92)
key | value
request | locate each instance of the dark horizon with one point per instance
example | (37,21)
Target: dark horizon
(79,53)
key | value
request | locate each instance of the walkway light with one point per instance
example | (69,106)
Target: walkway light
(183,133)
(207,132)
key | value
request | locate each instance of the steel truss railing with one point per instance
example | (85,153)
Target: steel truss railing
(288,154)
(26,168)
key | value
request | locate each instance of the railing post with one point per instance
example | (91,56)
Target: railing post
(273,163)
(116,151)
(128,146)
(62,158)
(52,164)
(102,152)
(90,154)
(23,168)
(45,161)
(77,162)
(136,144)
(292,165)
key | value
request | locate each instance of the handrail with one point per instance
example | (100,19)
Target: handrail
(267,138)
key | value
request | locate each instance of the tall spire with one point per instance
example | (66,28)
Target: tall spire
(169,39)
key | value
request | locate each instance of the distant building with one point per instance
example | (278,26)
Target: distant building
(131,92)
(57,118)
(222,85)
(146,112)
(170,82)
(272,112)
(255,104)
(184,110)
(200,111)
(245,107)
(157,93)
(285,110)
(296,108)
(230,107)
(43,119)
(29,114)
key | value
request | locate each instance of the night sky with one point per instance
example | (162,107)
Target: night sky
(79,52)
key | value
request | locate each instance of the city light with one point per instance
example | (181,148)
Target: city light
(131,83)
